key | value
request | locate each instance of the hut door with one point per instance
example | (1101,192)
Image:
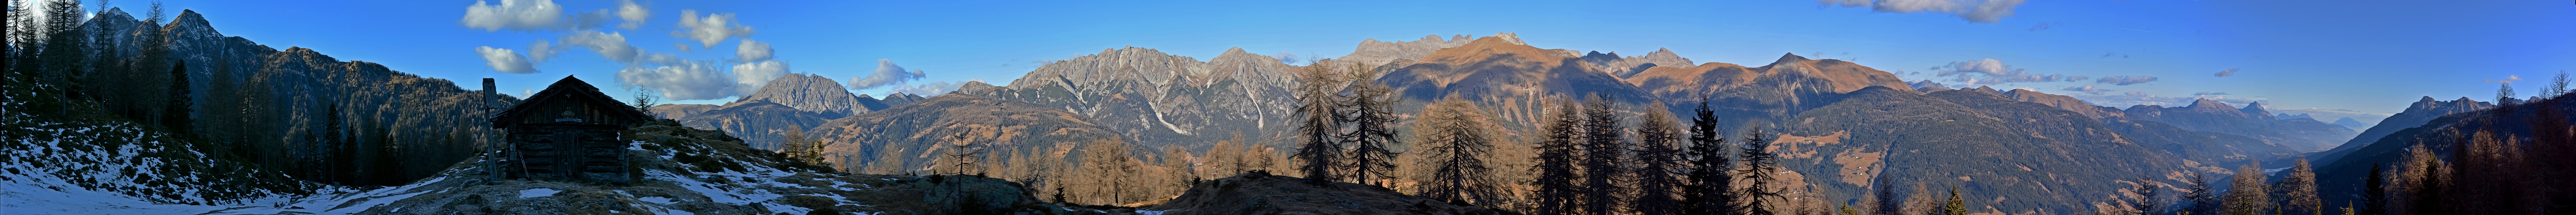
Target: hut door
(567,149)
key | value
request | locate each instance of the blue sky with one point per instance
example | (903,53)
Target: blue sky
(2366,56)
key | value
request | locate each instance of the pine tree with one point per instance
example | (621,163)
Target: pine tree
(1321,150)
(1458,145)
(1604,157)
(1556,191)
(175,112)
(2249,197)
(1887,203)
(1656,158)
(2374,194)
(2146,202)
(2299,189)
(1759,165)
(1372,119)
(1956,206)
(1709,178)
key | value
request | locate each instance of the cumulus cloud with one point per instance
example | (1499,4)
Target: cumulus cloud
(887,74)
(2087,89)
(633,14)
(2228,72)
(2125,80)
(709,30)
(608,44)
(751,50)
(751,76)
(527,15)
(1991,71)
(505,60)
(932,88)
(690,80)
(540,50)
(1982,11)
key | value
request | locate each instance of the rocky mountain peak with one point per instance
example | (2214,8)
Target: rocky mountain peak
(809,93)
(2205,105)
(1789,58)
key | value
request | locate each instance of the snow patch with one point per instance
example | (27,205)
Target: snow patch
(540,192)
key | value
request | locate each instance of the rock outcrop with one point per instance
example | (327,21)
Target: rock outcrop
(809,93)
(1159,98)
(1631,65)
(913,132)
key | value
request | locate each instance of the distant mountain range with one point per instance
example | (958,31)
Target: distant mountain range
(1846,127)
(792,102)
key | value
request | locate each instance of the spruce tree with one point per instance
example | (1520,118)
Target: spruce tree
(1554,187)
(1759,165)
(1656,158)
(1604,157)
(1956,205)
(2374,193)
(1709,177)
(175,111)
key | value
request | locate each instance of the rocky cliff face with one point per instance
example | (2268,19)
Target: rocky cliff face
(1631,65)
(809,93)
(1159,98)
(917,133)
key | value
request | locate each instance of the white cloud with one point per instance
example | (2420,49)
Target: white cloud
(1983,11)
(752,50)
(634,14)
(608,44)
(1286,58)
(2125,80)
(2087,89)
(709,30)
(2133,98)
(540,50)
(1991,71)
(932,88)
(749,77)
(505,60)
(689,80)
(887,74)
(2228,72)
(527,15)
(2508,79)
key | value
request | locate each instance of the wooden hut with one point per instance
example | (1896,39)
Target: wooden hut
(570,131)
